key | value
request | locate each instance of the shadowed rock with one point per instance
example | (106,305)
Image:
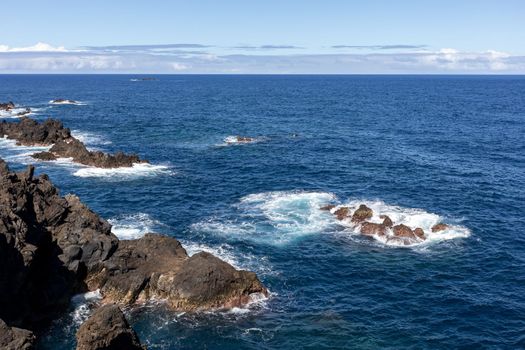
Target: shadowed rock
(7,106)
(28,132)
(327,207)
(12,338)
(107,329)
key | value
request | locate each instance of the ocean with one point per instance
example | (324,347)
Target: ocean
(423,149)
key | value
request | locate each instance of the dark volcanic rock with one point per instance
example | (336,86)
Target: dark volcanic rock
(52,247)
(29,132)
(51,132)
(156,266)
(47,246)
(362,213)
(73,148)
(107,329)
(7,106)
(439,227)
(12,338)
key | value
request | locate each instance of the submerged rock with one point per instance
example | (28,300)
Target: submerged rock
(12,338)
(240,139)
(107,329)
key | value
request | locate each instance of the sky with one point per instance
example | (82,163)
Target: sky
(263,37)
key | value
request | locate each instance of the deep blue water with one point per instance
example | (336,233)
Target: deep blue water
(451,146)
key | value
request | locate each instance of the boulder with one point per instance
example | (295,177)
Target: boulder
(386,220)
(107,329)
(370,229)
(47,156)
(440,227)
(157,267)
(342,213)
(403,231)
(12,338)
(361,214)
(419,233)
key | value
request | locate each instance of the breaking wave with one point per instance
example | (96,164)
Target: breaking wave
(133,226)
(138,170)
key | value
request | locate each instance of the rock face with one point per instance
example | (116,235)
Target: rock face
(107,329)
(12,338)
(342,213)
(370,229)
(29,132)
(156,266)
(7,106)
(51,132)
(52,247)
(48,244)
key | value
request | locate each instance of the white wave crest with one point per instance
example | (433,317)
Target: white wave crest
(234,141)
(67,102)
(410,217)
(275,217)
(133,226)
(90,139)
(138,170)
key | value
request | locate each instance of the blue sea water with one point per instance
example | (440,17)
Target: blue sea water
(425,148)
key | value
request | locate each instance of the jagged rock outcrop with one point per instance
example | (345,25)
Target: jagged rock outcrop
(52,247)
(107,329)
(48,244)
(12,338)
(29,132)
(7,106)
(158,267)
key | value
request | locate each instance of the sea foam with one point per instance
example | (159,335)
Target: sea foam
(138,170)
(133,226)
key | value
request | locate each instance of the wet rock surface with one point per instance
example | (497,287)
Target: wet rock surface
(7,106)
(107,329)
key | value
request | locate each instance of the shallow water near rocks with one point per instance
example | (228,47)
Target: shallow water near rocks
(421,147)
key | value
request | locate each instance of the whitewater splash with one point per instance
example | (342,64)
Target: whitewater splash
(67,102)
(410,217)
(17,153)
(278,218)
(90,139)
(234,141)
(133,226)
(274,217)
(138,170)
(83,305)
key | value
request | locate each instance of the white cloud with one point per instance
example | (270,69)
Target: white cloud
(44,58)
(38,47)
